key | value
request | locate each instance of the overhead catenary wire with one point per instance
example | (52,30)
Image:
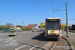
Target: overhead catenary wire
(60,10)
(60,7)
(56,10)
(52,7)
(71,19)
(53,13)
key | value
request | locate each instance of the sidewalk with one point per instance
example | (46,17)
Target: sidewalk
(71,37)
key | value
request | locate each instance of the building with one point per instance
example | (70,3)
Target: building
(35,26)
(31,26)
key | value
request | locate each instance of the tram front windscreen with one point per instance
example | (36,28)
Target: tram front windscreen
(53,25)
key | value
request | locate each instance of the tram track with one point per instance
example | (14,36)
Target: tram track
(56,43)
(49,47)
(42,45)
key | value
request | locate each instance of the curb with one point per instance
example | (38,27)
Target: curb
(71,48)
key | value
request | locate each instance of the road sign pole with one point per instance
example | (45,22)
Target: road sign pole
(66,21)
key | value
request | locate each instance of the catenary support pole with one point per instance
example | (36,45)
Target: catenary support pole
(66,21)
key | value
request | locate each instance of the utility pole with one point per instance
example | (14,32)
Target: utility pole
(66,21)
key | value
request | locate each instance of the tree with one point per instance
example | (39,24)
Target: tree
(73,26)
(70,27)
(9,24)
(63,25)
(19,26)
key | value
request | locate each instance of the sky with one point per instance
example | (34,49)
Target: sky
(35,11)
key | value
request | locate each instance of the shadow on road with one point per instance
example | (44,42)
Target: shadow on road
(41,37)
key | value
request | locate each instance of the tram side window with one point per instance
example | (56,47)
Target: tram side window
(59,25)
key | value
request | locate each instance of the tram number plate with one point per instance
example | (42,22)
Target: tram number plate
(53,34)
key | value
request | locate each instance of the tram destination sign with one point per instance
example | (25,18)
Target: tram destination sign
(53,20)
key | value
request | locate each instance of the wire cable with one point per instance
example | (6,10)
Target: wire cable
(51,5)
(53,13)
(60,7)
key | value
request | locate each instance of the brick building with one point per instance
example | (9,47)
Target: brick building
(29,26)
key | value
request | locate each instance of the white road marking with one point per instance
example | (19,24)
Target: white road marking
(13,40)
(35,45)
(31,48)
(11,45)
(15,44)
(21,47)
(8,39)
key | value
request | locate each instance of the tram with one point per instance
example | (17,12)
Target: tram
(53,28)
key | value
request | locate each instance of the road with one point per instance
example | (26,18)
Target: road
(26,40)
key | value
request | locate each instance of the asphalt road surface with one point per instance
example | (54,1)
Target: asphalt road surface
(26,40)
